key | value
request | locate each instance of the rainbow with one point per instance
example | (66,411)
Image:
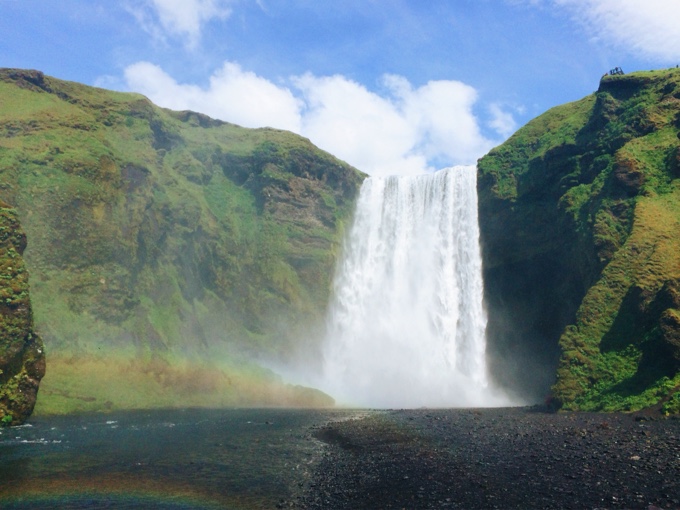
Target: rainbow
(118,491)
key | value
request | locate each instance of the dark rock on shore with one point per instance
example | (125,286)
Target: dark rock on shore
(519,458)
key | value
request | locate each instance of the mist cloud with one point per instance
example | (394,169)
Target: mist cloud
(401,130)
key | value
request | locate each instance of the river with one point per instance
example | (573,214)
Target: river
(166,459)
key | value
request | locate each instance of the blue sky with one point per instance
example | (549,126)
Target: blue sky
(391,86)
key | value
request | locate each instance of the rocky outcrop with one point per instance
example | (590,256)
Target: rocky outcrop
(580,226)
(667,313)
(22,359)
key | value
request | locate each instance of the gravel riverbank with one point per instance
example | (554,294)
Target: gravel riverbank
(518,458)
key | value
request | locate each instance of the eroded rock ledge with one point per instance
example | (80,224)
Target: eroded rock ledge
(22,357)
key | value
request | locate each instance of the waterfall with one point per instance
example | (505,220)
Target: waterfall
(406,322)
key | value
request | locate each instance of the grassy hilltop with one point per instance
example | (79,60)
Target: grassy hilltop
(580,221)
(167,250)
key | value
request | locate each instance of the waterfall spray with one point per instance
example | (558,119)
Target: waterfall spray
(406,324)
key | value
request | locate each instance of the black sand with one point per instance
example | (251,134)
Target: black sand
(497,458)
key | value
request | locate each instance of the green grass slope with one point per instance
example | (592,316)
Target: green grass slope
(165,238)
(580,221)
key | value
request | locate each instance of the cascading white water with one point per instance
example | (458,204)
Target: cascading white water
(406,325)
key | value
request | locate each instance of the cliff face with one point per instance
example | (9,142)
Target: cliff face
(22,358)
(164,236)
(580,224)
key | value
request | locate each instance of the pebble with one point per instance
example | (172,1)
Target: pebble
(518,458)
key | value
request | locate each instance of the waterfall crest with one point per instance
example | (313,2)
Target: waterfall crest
(406,323)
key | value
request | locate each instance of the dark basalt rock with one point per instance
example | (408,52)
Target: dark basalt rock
(669,319)
(629,176)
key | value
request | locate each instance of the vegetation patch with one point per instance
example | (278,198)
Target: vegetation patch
(166,234)
(589,193)
(22,358)
(77,384)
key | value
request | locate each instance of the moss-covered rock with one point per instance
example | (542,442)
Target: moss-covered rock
(167,234)
(580,224)
(22,359)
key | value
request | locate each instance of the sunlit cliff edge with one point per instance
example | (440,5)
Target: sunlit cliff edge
(580,228)
(169,253)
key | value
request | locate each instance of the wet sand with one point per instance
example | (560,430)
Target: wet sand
(520,458)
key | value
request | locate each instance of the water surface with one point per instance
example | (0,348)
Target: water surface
(170,459)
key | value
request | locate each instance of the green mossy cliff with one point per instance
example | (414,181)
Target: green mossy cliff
(22,358)
(580,226)
(166,237)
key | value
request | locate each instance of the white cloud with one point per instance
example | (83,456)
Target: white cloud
(649,28)
(404,130)
(180,18)
(234,95)
(441,112)
(501,121)
(358,126)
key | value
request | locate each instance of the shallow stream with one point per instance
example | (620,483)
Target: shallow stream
(170,459)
